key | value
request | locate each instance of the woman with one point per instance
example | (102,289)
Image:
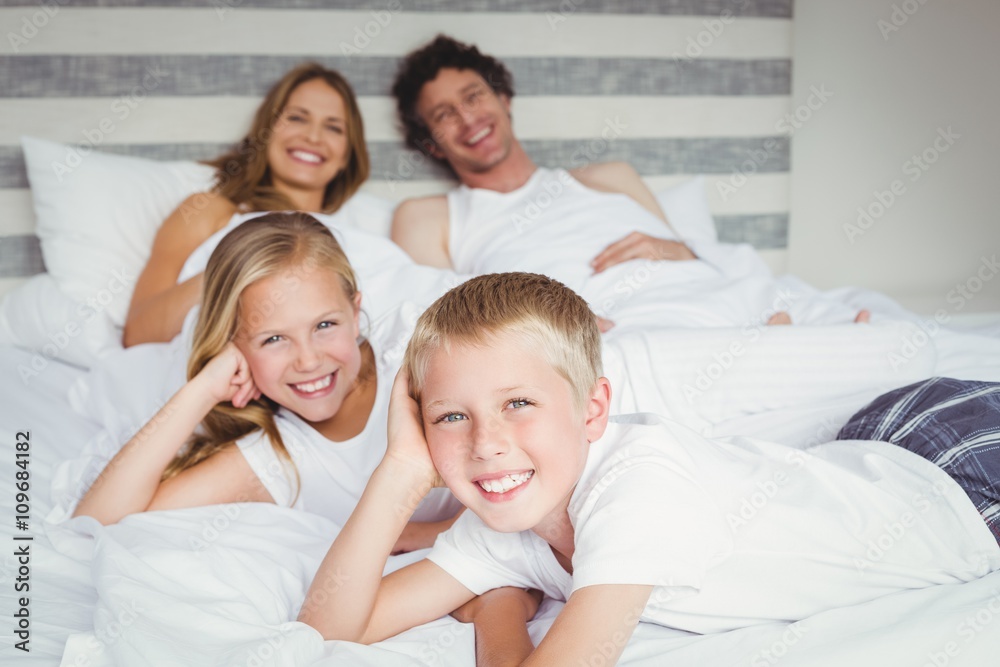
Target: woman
(305,151)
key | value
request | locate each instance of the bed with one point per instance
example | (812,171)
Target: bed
(221,585)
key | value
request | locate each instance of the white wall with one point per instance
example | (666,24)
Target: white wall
(889,97)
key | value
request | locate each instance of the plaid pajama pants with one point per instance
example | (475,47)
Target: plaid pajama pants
(954,424)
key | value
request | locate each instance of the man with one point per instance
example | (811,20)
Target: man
(454,103)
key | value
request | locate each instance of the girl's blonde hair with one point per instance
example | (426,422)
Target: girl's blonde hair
(549,317)
(243,175)
(257,249)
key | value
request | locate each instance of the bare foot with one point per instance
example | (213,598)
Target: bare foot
(863,317)
(780,317)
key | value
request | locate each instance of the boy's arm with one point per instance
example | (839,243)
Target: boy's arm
(348,598)
(596,621)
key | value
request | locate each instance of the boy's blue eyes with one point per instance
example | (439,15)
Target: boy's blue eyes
(452,417)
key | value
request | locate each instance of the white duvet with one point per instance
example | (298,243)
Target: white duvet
(221,585)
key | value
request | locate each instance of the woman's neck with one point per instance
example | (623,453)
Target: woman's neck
(310,201)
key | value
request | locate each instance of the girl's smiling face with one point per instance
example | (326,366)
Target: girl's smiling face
(299,333)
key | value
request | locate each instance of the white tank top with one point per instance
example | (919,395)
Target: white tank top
(555,225)
(552,224)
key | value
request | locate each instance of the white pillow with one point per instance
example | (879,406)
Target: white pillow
(686,207)
(41,317)
(98,214)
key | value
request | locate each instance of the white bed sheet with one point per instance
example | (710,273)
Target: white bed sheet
(80,602)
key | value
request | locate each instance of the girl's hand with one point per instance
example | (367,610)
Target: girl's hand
(227,377)
(506,600)
(407,445)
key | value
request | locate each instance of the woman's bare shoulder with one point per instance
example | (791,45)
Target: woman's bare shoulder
(201,214)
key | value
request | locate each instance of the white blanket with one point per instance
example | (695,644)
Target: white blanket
(154,586)
(222,585)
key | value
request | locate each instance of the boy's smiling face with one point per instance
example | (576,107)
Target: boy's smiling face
(505,433)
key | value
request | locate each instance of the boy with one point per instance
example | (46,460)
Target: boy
(637,519)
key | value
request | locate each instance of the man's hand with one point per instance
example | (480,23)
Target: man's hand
(641,246)
(508,599)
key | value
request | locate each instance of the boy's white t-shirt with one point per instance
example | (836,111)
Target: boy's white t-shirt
(333,475)
(740,531)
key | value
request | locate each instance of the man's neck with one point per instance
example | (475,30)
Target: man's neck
(506,176)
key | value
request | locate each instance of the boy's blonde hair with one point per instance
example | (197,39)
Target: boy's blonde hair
(550,318)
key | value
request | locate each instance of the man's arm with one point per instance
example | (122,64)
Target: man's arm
(500,617)
(420,227)
(622,178)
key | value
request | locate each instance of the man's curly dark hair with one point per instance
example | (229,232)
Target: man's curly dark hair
(423,65)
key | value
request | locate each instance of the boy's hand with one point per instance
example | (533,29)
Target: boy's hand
(407,445)
(507,600)
(227,377)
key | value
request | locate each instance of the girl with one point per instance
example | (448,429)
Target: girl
(305,151)
(291,400)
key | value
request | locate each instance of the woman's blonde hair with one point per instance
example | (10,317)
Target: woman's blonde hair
(243,175)
(549,317)
(257,249)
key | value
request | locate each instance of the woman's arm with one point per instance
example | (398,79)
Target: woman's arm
(159,305)
(130,483)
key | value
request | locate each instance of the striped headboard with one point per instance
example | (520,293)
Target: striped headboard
(676,87)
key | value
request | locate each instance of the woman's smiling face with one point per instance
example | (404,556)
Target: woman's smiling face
(309,146)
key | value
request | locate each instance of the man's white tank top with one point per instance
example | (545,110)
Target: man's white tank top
(553,224)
